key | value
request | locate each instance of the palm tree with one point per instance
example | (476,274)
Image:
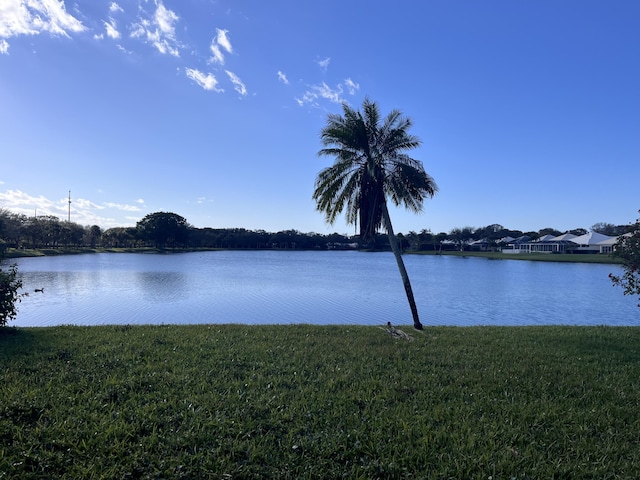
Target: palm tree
(370,167)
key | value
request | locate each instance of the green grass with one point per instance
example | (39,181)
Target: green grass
(537,257)
(319,402)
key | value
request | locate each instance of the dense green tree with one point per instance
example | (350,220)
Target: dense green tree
(120,237)
(604,228)
(371,167)
(71,233)
(426,240)
(609,228)
(628,249)
(490,232)
(461,236)
(549,231)
(92,235)
(11,227)
(164,229)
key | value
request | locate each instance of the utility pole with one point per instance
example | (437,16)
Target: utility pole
(69,217)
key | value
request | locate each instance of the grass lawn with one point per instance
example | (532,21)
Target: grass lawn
(302,401)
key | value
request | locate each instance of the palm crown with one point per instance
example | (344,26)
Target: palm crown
(370,166)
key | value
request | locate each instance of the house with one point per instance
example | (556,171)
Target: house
(607,246)
(550,244)
(514,245)
(591,242)
(481,245)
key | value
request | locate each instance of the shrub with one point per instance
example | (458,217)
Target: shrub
(628,249)
(10,285)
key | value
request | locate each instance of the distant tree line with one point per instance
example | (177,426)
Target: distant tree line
(169,230)
(160,230)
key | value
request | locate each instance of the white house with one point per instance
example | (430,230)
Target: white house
(606,246)
(591,242)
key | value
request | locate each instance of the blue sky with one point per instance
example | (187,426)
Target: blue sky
(529,111)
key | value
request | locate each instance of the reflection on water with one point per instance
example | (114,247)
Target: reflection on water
(162,287)
(267,287)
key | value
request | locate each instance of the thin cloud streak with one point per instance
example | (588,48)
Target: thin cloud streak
(112,31)
(159,31)
(114,7)
(205,80)
(324,91)
(324,64)
(238,85)
(223,40)
(123,207)
(219,43)
(283,78)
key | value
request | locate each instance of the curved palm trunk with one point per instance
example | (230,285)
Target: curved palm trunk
(395,248)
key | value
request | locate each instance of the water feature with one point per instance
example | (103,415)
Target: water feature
(283,287)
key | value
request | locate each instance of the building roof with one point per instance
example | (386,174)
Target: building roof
(591,238)
(565,236)
(546,238)
(609,241)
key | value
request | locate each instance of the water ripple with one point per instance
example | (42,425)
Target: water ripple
(315,287)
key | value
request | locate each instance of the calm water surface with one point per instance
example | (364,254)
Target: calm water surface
(265,287)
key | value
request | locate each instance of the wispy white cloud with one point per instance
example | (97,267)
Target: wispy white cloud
(114,7)
(352,87)
(283,78)
(324,64)
(159,30)
(223,40)
(237,83)
(124,50)
(219,43)
(205,80)
(123,207)
(111,29)
(32,17)
(216,54)
(325,92)
(4,47)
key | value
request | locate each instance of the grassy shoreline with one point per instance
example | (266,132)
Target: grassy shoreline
(534,257)
(300,401)
(539,257)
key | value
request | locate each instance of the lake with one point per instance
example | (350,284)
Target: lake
(328,287)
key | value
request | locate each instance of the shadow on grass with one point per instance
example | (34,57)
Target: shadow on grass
(14,339)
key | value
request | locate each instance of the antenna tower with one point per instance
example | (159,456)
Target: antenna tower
(69,217)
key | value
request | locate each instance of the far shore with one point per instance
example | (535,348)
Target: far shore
(537,257)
